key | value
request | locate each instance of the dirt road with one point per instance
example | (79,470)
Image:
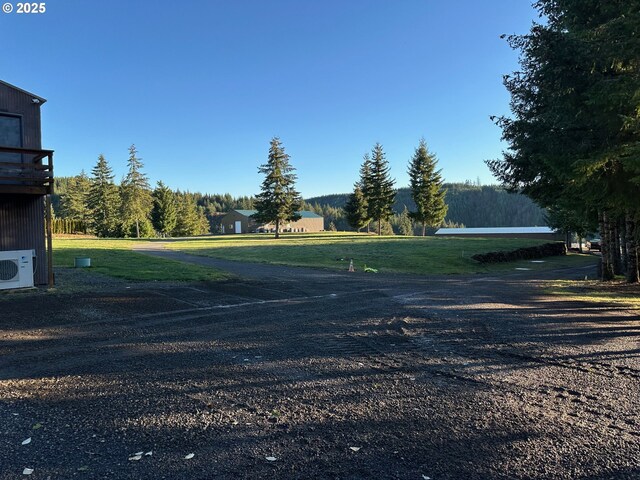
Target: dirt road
(333,375)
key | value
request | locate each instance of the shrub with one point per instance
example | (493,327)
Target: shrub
(527,253)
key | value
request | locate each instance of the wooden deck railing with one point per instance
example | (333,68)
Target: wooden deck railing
(29,171)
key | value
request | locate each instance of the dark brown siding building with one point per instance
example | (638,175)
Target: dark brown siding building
(26,180)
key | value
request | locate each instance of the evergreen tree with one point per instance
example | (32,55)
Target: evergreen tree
(75,202)
(136,196)
(473,206)
(378,189)
(404,223)
(574,135)
(165,211)
(203,225)
(246,203)
(104,200)
(356,210)
(278,201)
(426,189)
(364,184)
(190,218)
(386,228)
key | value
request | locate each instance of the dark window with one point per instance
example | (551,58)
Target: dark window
(10,136)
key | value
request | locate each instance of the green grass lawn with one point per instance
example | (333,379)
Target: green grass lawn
(416,255)
(394,254)
(115,258)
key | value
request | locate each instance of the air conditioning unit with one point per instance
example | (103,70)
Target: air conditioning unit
(16,269)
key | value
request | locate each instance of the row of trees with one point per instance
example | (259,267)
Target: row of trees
(574,136)
(174,214)
(130,209)
(468,204)
(374,194)
(400,223)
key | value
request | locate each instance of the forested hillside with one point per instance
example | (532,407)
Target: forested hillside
(470,205)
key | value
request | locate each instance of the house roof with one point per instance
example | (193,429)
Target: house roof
(494,231)
(303,213)
(246,213)
(42,100)
(308,214)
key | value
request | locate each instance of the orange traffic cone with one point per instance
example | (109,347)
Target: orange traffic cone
(351,269)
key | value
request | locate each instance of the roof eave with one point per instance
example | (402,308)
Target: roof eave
(39,98)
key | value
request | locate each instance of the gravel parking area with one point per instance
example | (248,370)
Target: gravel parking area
(296,373)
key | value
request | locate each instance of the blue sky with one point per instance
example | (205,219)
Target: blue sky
(201,86)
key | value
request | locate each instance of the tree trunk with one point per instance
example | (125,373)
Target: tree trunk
(611,245)
(379,226)
(606,269)
(616,258)
(633,275)
(277,228)
(137,229)
(424,229)
(623,246)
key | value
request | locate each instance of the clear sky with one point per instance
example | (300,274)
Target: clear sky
(200,87)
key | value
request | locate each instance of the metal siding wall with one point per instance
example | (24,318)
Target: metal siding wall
(551,237)
(22,228)
(17,102)
(231,218)
(309,224)
(22,216)
(227,220)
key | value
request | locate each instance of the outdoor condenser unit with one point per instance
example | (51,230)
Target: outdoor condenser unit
(16,269)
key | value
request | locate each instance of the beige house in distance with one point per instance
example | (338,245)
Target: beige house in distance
(240,221)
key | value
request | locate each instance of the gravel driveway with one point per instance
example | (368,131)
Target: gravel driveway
(299,373)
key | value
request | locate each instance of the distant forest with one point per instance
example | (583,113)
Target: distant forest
(470,205)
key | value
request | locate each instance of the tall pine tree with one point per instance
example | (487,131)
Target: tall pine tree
(136,197)
(165,210)
(75,201)
(190,217)
(426,189)
(405,227)
(573,134)
(356,209)
(104,200)
(278,201)
(364,184)
(378,190)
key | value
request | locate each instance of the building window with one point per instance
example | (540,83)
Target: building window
(10,136)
